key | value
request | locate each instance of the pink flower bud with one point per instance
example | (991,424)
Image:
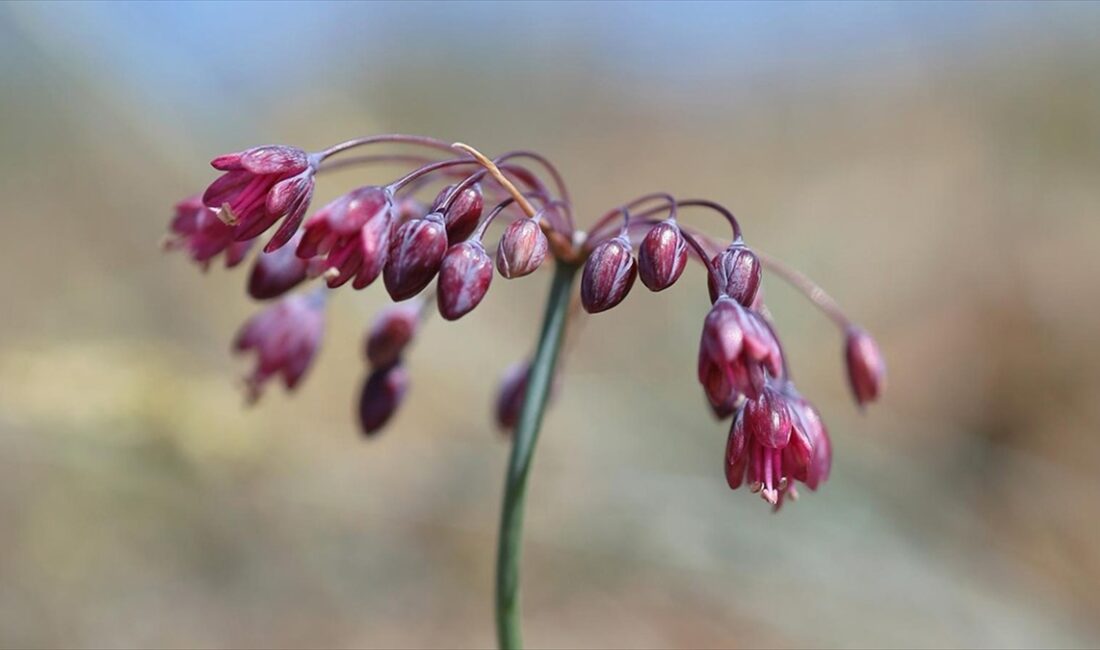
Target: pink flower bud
(768,420)
(738,271)
(464,214)
(416,251)
(662,256)
(866,368)
(353,233)
(608,275)
(286,337)
(391,333)
(736,352)
(522,248)
(381,396)
(464,279)
(273,274)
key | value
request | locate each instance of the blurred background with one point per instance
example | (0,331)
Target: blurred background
(935,166)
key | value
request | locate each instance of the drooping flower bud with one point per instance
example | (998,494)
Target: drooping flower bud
(463,215)
(768,420)
(608,275)
(510,395)
(260,186)
(464,279)
(866,368)
(737,451)
(738,275)
(662,256)
(353,233)
(273,274)
(416,252)
(522,248)
(391,333)
(382,394)
(735,353)
(286,337)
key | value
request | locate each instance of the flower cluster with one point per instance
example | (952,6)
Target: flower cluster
(776,437)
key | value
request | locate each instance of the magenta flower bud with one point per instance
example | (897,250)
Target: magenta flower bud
(866,368)
(738,275)
(352,232)
(737,447)
(662,256)
(416,251)
(464,214)
(809,454)
(608,275)
(285,337)
(768,420)
(273,274)
(392,331)
(737,351)
(522,248)
(382,394)
(464,279)
(197,229)
(261,186)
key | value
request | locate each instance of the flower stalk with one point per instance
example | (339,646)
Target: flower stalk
(523,448)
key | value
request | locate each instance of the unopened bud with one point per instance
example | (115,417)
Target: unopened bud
(415,252)
(382,395)
(463,215)
(273,274)
(662,256)
(608,275)
(464,279)
(738,275)
(522,248)
(866,367)
(391,333)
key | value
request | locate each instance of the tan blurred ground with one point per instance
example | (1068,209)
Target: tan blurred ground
(949,202)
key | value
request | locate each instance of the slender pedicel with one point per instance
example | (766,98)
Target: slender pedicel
(808,288)
(392,138)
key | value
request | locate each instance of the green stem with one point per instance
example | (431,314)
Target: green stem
(523,448)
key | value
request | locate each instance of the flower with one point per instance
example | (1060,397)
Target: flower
(736,351)
(285,337)
(464,279)
(662,256)
(608,275)
(352,232)
(197,229)
(260,186)
(736,274)
(392,331)
(522,248)
(416,252)
(866,368)
(381,396)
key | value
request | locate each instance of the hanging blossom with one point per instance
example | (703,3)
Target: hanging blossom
(425,235)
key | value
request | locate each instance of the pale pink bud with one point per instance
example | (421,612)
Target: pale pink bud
(522,248)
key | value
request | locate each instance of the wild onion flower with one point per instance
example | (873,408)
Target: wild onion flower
(776,437)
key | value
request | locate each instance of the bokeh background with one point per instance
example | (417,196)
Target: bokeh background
(937,166)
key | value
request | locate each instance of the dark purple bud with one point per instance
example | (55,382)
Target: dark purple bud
(510,395)
(608,275)
(374,249)
(463,215)
(662,256)
(382,394)
(866,368)
(768,419)
(273,274)
(464,279)
(738,275)
(416,251)
(391,333)
(522,248)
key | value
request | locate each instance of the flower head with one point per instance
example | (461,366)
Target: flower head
(260,186)
(285,337)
